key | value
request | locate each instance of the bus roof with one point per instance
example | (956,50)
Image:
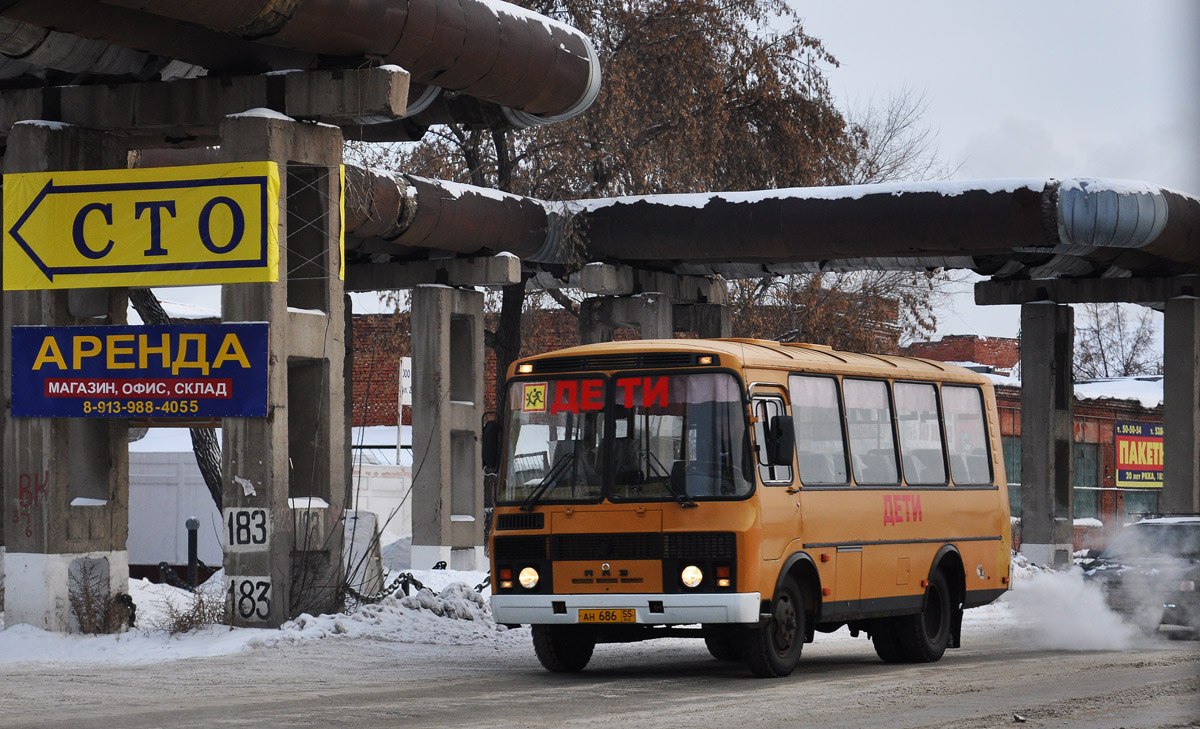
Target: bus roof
(760,353)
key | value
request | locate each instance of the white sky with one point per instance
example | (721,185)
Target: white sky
(1029,88)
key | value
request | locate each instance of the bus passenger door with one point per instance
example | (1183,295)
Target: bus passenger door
(778,497)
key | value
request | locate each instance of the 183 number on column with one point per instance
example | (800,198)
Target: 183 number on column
(247,530)
(250,598)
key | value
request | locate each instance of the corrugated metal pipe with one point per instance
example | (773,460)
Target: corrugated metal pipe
(539,70)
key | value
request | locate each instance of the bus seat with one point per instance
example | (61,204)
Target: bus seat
(924,465)
(878,468)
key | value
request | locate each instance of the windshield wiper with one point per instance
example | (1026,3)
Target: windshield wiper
(549,481)
(680,494)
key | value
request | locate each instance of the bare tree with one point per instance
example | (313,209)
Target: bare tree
(898,145)
(1115,340)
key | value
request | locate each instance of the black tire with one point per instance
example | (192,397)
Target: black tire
(563,648)
(772,649)
(723,644)
(883,637)
(924,637)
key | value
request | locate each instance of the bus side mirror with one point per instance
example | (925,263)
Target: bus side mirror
(781,440)
(489,442)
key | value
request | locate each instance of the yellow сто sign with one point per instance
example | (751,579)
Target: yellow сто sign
(169,226)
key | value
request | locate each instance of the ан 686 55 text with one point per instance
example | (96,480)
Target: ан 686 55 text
(140,407)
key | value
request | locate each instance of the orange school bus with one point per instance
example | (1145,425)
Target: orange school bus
(749,493)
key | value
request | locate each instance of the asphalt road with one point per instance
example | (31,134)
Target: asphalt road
(840,683)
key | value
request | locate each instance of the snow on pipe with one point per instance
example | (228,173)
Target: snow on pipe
(1040,228)
(538,70)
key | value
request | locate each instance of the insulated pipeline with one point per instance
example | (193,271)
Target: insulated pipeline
(1036,228)
(538,70)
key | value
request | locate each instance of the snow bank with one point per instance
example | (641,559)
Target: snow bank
(448,612)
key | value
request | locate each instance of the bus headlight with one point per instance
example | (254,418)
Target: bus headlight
(528,578)
(691,576)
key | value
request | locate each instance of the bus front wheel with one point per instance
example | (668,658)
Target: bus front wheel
(773,647)
(563,648)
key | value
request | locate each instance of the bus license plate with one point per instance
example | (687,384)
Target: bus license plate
(624,615)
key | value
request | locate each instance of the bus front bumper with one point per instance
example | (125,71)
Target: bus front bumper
(650,609)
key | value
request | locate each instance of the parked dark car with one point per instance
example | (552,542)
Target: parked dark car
(1150,570)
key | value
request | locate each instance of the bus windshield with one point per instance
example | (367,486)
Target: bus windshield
(628,438)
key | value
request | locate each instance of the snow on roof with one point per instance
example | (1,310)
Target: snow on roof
(1147,391)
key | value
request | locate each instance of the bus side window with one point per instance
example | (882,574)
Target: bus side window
(920,433)
(869,417)
(966,434)
(820,441)
(766,408)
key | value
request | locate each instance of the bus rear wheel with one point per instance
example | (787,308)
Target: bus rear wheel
(772,649)
(563,648)
(920,638)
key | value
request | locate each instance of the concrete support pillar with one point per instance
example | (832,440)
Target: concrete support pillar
(66,480)
(652,314)
(447,413)
(708,321)
(291,465)
(1047,433)
(1181,407)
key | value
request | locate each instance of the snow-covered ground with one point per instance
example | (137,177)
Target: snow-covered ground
(1045,609)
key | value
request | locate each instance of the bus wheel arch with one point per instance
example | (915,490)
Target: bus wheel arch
(801,568)
(949,562)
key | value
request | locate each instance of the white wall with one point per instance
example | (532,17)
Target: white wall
(164,490)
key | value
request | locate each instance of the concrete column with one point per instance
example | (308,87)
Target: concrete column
(1181,407)
(652,314)
(292,464)
(708,321)
(66,480)
(447,413)
(1047,433)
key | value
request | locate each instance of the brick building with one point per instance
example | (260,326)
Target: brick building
(1001,353)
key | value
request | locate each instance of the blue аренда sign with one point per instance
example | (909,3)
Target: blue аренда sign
(174,371)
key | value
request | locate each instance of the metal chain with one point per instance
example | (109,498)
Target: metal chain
(403,580)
